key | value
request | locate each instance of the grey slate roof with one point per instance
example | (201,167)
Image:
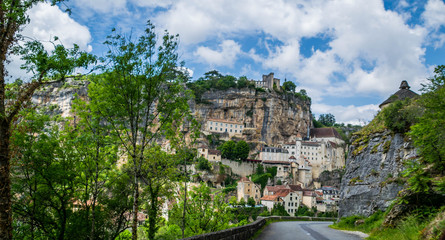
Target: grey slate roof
(402,94)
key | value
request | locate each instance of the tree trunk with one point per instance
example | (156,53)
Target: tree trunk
(134,226)
(5,182)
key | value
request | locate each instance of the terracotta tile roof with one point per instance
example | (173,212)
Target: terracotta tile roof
(292,157)
(324,133)
(269,198)
(295,187)
(275,188)
(290,143)
(283,192)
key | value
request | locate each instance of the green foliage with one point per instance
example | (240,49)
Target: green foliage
(302,95)
(251,202)
(400,115)
(235,151)
(203,213)
(243,82)
(278,210)
(242,150)
(327,120)
(232,201)
(228,150)
(203,164)
(279,182)
(305,211)
(215,80)
(289,86)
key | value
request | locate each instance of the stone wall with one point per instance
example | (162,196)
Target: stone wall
(242,169)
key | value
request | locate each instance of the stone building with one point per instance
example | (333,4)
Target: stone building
(209,154)
(268,81)
(247,189)
(224,126)
(402,94)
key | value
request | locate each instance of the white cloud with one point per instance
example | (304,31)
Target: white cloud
(434,17)
(348,114)
(46,23)
(49,21)
(226,55)
(434,14)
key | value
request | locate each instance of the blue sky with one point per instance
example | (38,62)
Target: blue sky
(349,55)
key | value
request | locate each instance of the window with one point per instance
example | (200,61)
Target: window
(203,150)
(210,128)
(226,129)
(220,129)
(230,130)
(226,124)
(236,131)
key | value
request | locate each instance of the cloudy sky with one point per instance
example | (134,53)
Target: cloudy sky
(349,55)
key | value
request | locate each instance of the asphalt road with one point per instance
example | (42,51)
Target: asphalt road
(304,230)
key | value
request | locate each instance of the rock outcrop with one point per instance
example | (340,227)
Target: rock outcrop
(269,117)
(373,166)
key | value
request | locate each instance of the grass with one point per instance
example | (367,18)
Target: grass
(409,228)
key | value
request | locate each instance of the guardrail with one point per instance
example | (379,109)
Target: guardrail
(247,231)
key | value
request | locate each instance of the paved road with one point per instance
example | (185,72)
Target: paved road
(304,230)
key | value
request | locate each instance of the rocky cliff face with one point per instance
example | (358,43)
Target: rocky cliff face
(62,95)
(371,179)
(269,117)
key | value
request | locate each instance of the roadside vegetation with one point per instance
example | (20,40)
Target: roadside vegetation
(419,210)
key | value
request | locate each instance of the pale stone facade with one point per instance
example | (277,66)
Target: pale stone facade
(224,126)
(246,189)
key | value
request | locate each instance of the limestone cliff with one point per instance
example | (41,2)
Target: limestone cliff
(62,95)
(371,181)
(269,117)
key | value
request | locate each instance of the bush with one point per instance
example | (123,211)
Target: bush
(400,115)
(203,164)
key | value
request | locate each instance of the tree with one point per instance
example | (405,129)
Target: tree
(204,164)
(136,97)
(428,136)
(55,65)
(157,172)
(289,86)
(242,150)
(251,202)
(327,120)
(204,214)
(228,150)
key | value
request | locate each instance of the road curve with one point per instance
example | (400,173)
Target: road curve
(297,230)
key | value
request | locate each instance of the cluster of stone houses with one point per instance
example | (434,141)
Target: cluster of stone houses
(290,196)
(298,162)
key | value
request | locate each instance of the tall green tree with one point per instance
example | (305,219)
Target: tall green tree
(137,97)
(289,86)
(55,65)
(204,213)
(242,150)
(327,120)
(45,179)
(228,150)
